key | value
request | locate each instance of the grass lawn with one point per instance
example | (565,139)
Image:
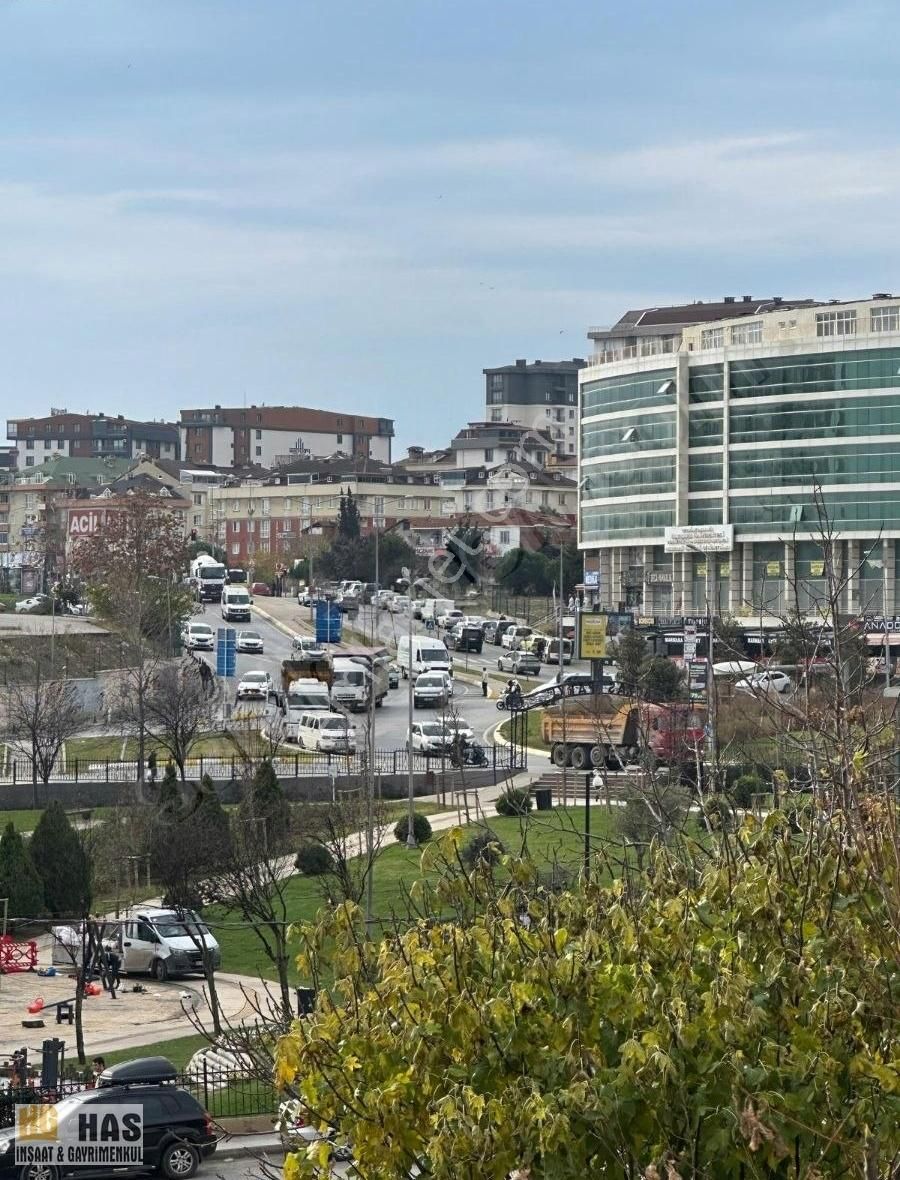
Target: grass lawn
(26,821)
(98,749)
(551,837)
(179,1050)
(532,731)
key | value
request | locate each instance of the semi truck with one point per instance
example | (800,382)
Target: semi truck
(207,578)
(612,730)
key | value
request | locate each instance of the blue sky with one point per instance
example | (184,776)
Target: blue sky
(363,204)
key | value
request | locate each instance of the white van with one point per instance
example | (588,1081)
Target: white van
(236,604)
(303,696)
(164,944)
(428,655)
(433,607)
(330,733)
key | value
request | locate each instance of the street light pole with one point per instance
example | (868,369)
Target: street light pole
(411,779)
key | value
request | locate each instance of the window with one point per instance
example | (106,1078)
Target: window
(235,526)
(265,506)
(265,528)
(197,519)
(712,337)
(198,498)
(258,452)
(836,323)
(529,497)
(504,536)
(287,506)
(251,525)
(571,415)
(548,412)
(467,501)
(29,444)
(561,499)
(496,415)
(489,499)
(545,499)
(750,333)
(547,395)
(30,500)
(496,381)
(340,438)
(571,448)
(259,434)
(885,319)
(489,455)
(510,456)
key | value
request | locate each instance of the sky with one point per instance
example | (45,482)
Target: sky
(361,205)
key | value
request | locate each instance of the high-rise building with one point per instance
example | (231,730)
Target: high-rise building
(740,423)
(542,395)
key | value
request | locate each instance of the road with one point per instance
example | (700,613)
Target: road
(392,718)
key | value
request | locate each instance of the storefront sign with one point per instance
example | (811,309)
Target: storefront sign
(690,643)
(725,570)
(881,623)
(593,637)
(773,569)
(591,578)
(700,538)
(816,569)
(659,578)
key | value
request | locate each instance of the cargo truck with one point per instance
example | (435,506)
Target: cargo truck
(612,730)
(306,686)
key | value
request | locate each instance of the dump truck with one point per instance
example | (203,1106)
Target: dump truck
(612,730)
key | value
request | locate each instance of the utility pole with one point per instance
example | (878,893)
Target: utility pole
(411,781)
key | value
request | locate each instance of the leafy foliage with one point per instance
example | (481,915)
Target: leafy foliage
(662,680)
(421,828)
(20,883)
(514,801)
(313,860)
(61,862)
(483,851)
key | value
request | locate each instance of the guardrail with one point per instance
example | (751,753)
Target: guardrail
(234,768)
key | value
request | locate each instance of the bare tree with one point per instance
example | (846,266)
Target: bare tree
(178,709)
(341,828)
(42,714)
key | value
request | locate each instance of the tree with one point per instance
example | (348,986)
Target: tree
(349,522)
(342,829)
(42,714)
(265,806)
(20,883)
(465,551)
(133,567)
(522,571)
(630,654)
(662,680)
(474,1048)
(197,547)
(177,709)
(62,864)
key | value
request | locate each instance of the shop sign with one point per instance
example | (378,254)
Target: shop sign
(702,538)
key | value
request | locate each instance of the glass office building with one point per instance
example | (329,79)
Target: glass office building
(760,415)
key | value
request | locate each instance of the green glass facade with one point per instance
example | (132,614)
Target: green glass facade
(640,391)
(875,368)
(706,383)
(630,520)
(861,463)
(639,476)
(793,421)
(653,433)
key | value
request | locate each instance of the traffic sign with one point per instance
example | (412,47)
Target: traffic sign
(226,651)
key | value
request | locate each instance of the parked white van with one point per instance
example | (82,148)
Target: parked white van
(164,944)
(428,655)
(330,733)
(236,604)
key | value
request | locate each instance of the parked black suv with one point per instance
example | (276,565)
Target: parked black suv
(178,1133)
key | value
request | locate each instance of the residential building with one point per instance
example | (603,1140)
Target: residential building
(541,395)
(515,528)
(89,436)
(743,418)
(272,436)
(511,485)
(488,444)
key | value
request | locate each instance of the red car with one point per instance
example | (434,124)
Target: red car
(261,589)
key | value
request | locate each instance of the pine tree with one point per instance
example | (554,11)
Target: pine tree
(212,831)
(265,800)
(61,863)
(19,880)
(169,799)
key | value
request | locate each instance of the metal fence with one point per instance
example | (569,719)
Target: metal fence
(387,762)
(224,1093)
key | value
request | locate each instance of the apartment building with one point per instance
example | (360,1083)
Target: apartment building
(511,485)
(541,395)
(276,436)
(88,436)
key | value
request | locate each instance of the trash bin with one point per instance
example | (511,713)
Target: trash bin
(544,798)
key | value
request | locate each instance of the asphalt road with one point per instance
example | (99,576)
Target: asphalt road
(392,718)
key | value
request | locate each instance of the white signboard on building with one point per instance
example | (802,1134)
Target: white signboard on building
(700,538)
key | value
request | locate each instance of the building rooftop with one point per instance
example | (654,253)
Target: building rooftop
(656,320)
(521,366)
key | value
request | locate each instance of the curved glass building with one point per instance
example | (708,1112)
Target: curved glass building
(755,414)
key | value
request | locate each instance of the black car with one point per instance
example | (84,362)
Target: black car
(494,629)
(178,1133)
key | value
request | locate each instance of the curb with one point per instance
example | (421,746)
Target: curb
(500,740)
(269,1144)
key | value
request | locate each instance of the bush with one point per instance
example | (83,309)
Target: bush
(744,788)
(421,828)
(514,801)
(314,860)
(482,851)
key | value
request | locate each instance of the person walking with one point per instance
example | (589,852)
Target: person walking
(151,765)
(484,682)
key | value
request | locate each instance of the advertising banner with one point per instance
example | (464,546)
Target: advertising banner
(593,637)
(73,1134)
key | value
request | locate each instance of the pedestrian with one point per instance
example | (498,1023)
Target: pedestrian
(484,682)
(98,1065)
(151,765)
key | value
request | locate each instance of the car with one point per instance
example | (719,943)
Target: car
(429,737)
(198,637)
(494,629)
(394,674)
(35,603)
(399,604)
(308,645)
(381,599)
(249,641)
(432,688)
(763,682)
(514,635)
(255,686)
(178,1134)
(524,663)
(305,597)
(458,726)
(735,668)
(261,589)
(449,618)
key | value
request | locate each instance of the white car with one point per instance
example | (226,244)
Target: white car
(432,688)
(399,604)
(459,725)
(513,636)
(255,686)
(307,645)
(762,682)
(198,637)
(429,737)
(449,618)
(24,605)
(735,668)
(249,641)
(381,599)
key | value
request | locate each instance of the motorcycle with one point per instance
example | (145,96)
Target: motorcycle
(511,701)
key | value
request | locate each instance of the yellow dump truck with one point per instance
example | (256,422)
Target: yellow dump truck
(611,730)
